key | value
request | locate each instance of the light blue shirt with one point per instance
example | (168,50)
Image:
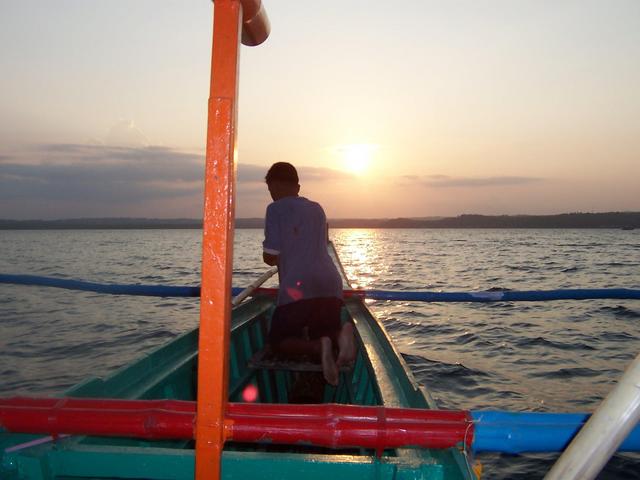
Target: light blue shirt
(296,230)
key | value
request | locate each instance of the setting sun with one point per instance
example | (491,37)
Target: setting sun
(357,157)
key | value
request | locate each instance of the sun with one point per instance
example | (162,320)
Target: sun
(356,157)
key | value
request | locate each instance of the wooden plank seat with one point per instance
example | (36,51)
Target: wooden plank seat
(266,359)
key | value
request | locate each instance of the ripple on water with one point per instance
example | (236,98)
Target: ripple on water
(419,330)
(450,384)
(620,311)
(566,373)
(617,337)
(543,342)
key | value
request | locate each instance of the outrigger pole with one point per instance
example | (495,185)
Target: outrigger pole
(233,21)
(327,425)
(408,296)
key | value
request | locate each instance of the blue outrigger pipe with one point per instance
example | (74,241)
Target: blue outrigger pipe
(519,432)
(112,289)
(506,296)
(194,291)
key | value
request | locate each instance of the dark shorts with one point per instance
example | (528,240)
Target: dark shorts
(320,315)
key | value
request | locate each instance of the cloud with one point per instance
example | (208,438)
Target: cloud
(445,181)
(100,173)
(125,133)
(249,173)
(437,177)
(73,179)
(314,174)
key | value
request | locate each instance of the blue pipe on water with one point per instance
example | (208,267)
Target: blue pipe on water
(507,296)
(187,291)
(519,432)
(112,289)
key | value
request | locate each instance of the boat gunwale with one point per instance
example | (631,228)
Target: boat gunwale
(407,392)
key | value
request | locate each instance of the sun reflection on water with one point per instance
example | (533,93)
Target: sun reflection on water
(360,253)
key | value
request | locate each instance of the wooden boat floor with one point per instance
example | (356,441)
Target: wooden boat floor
(265,359)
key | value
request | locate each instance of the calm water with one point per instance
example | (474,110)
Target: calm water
(555,356)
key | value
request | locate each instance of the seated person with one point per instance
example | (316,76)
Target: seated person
(307,317)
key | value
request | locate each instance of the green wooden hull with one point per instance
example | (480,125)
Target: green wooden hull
(379,377)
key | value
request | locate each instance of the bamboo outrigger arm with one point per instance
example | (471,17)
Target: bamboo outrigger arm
(232,20)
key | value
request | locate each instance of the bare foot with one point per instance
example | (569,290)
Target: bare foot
(329,368)
(346,346)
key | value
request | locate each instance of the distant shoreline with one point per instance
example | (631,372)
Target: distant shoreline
(616,220)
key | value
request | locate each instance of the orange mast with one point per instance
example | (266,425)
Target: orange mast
(232,19)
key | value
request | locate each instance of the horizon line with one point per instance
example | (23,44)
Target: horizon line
(426,217)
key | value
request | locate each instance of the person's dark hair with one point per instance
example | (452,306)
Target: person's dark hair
(282,171)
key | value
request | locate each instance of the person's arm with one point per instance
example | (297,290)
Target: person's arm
(271,244)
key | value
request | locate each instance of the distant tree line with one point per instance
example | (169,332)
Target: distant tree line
(623,220)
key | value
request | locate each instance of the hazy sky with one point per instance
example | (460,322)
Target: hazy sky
(446,107)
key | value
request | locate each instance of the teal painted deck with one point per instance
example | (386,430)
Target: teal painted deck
(379,377)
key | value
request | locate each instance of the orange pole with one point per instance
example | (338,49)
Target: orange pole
(217,241)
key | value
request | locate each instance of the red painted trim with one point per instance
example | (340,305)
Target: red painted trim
(334,426)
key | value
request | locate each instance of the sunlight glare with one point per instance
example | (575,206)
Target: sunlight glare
(357,156)
(360,256)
